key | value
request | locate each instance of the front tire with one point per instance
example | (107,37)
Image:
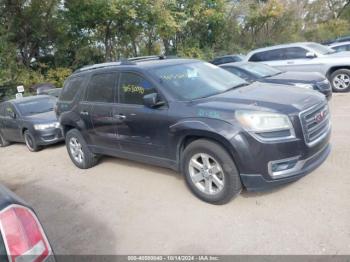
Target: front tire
(30,141)
(340,80)
(3,142)
(79,151)
(210,172)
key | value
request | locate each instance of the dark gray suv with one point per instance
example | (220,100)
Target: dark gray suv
(220,132)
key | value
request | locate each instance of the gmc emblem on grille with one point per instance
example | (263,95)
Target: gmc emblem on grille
(319,117)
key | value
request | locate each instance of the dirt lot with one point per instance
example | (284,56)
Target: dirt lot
(122,207)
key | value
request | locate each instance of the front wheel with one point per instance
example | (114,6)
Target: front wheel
(79,151)
(340,80)
(30,141)
(210,172)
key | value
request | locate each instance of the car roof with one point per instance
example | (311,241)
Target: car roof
(145,62)
(278,47)
(28,99)
(339,44)
(239,55)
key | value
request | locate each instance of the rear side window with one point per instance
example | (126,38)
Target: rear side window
(71,88)
(133,88)
(101,88)
(272,55)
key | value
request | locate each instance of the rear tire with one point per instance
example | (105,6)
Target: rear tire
(340,80)
(210,172)
(3,142)
(79,151)
(31,144)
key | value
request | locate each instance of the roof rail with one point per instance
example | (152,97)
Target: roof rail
(90,67)
(145,58)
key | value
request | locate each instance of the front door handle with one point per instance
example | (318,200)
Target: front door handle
(84,113)
(290,63)
(120,116)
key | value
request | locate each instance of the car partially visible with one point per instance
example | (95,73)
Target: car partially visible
(22,237)
(308,57)
(341,46)
(252,72)
(56,92)
(227,59)
(31,120)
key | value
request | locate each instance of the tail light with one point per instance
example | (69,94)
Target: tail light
(23,236)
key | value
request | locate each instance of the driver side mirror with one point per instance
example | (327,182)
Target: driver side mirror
(310,55)
(152,100)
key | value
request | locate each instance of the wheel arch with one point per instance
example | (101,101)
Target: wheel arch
(214,137)
(335,68)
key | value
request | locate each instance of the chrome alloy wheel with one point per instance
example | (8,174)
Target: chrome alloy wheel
(341,81)
(76,150)
(206,174)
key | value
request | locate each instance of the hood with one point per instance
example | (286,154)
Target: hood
(46,117)
(265,97)
(295,77)
(339,54)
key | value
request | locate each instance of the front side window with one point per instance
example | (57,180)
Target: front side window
(38,106)
(295,53)
(196,80)
(133,88)
(71,88)
(101,88)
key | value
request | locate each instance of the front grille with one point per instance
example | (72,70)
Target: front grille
(315,123)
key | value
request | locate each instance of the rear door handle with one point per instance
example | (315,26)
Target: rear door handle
(84,113)
(120,116)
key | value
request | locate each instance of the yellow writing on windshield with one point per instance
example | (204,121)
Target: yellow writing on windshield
(133,89)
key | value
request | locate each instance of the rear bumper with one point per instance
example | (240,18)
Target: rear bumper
(257,182)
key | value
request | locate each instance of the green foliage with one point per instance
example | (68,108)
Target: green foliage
(45,40)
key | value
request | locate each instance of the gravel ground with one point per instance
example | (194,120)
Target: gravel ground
(123,207)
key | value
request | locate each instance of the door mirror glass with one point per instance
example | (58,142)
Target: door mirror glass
(152,100)
(310,55)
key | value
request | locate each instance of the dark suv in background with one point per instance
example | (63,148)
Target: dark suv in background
(197,118)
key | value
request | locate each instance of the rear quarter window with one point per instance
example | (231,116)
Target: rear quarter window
(71,88)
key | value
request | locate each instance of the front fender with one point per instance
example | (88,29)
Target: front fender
(214,129)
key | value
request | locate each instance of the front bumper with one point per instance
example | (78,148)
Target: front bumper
(48,137)
(257,182)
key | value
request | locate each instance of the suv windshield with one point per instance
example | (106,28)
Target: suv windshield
(260,70)
(196,80)
(36,106)
(320,49)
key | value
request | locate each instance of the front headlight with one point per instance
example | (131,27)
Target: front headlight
(306,86)
(46,126)
(266,126)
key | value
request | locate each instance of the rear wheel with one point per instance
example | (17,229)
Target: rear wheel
(340,80)
(3,142)
(79,151)
(30,141)
(210,172)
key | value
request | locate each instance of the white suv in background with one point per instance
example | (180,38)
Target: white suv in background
(308,57)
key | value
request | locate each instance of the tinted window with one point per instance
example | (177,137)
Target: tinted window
(133,88)
(342,48)
(36,106)
(196,80)
(2,109)
(71,88)
(101,88)
(294,53)
(272,55)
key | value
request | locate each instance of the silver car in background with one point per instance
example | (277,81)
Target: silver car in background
(308,57)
